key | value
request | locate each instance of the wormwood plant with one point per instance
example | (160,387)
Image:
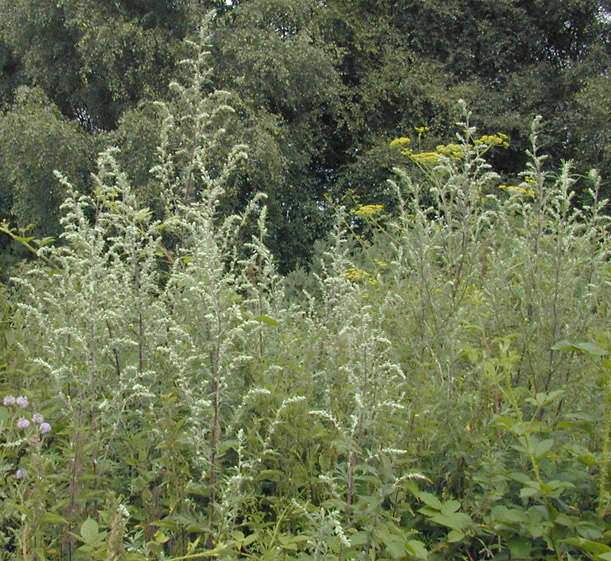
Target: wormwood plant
(126,349)
(440,393)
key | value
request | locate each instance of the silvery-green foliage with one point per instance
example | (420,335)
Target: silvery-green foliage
(193,156)
(545,268)
(362,390)
(89,312)
(439,243)
(117,338)
(92,314)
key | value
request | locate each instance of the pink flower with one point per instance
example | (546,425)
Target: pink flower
(20,474)
(37,418)
(45,428)
(9,400)
(22,401)
(22,423)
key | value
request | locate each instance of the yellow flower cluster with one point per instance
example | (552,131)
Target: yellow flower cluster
(425,157)
(519,189)
(368,210)
(357,275)
(498,139)
(452,150)
(400,141)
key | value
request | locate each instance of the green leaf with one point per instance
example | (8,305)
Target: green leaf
(523,478)
(455,536)
(268,321)
(456,521)
(589,546)
(90,532)
(160,538)
(542,448)
(54,518)
(4,415)
(359,539)
(449,507)
(586,347)
(526,492)
(430,500)
(417,549)
(520,547)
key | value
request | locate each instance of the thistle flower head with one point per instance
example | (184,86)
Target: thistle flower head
(8,400)
(45,428)
(22,423)
(22,401)
(37,418)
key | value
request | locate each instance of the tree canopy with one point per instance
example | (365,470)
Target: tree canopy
(319,89)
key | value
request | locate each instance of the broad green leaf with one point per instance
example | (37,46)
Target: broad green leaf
(267,320)
(592,349)
(455,536)
(457,520)
(449,507)
(430,500)
(360,538)
(4,415)
(417,549)
(526,492)
(160,538)
(90,532)
(523,478)
(543,447)
(53,518)
(509,515)
(520,547)
(590,546)
(586,347)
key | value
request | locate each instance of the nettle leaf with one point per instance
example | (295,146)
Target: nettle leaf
(542,399)
(526,492)
(520,547)
(455,536)
(543,447)
(91,534)
(456,521)
(586,347)
(417,549)
(360,539)
(4,415)
(450,507)
(589,546)
(523,478)
(508,515)
(430,500)
(267,321)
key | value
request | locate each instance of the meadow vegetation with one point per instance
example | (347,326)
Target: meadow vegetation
(437,386)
